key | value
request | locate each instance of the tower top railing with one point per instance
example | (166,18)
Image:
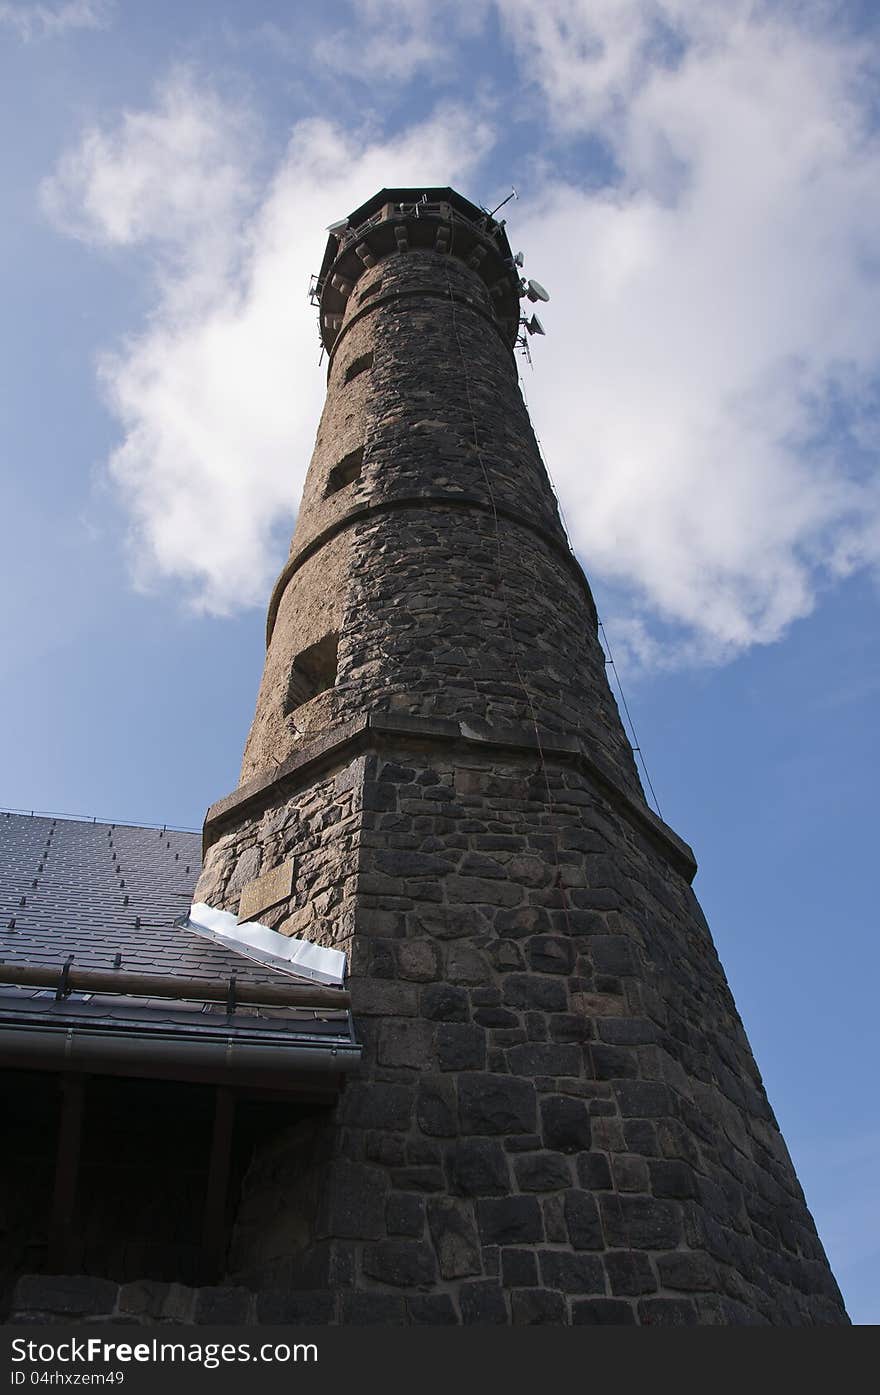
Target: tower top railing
(402,220)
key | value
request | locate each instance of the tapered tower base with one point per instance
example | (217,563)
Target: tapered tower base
(558,1119)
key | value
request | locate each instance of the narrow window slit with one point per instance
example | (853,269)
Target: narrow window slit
(312,672)
(346,471)
(358,365)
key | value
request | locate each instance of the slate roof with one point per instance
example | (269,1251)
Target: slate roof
(76,877)
(97,890)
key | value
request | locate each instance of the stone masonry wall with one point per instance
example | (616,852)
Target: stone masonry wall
(449,569)
(429,626)
(558,1118)
(318,827)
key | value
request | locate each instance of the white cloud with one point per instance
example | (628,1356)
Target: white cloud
(707,390)
(36,21)
(220,396)
(709,312)
(395,40)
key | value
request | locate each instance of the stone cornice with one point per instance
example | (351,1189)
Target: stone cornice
(422,501)
(373,729)
(425,293)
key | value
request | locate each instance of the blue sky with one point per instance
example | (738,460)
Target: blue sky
(698,188)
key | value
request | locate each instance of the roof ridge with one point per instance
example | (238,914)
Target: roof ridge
(93,819)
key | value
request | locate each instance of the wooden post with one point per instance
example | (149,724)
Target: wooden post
(64,1244)
(214,1222)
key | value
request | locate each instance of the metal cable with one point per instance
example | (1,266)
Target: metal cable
(636,744)
(514,652)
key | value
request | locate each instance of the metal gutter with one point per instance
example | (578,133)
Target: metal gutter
(285,1061)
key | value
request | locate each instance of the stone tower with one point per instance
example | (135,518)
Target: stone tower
(559,1118)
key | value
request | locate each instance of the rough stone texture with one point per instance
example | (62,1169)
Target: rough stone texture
(559,1119)
(427,596)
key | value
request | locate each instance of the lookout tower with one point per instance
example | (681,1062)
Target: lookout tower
(558,1118)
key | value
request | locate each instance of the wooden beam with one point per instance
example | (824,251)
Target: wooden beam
(120,981)
(214,1236)
(64,1242)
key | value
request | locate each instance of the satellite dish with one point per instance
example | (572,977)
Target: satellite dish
(519,259)
(534,326)
(337,227)
(535,291)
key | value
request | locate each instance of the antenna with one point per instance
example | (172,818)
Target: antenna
(519,259)
(534,326)
(512,195)
(535,291)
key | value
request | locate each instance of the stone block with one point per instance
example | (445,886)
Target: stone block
(565,1124)
(628,1031)
(265,891)
(542,1172)
(432,1310)
(375,1105)
(671,1177)
(593,1172)
(630,1173)
(602,1312)
(282,1307)
(479,1167)
(72,1295)
(465,965)
(436,1107)
(613,1062)
(405,1215)
(572,1273)
(613,954)
(643,1099)
(550,954)
(373,1310)
(403,1263)
(641,1223)
(407,1044)
(222,1307)
(535,991)
(461,1046)
(510,1220)
(668,1312)
(443,1002)
(598,1004)
(545,1058)
(521,922)
(246,868)
(519,1268)
(418,1178)
(496,1017)
(448,922)
(353,1205)
(629,1273)
(142,1296)
(689,1271)
(582,1221)
(482,891)
(483,1304)
(417,960)
(397,862)
(533,1307)
(383,998)
(455,1238)
(496,1104)
(554,1220)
